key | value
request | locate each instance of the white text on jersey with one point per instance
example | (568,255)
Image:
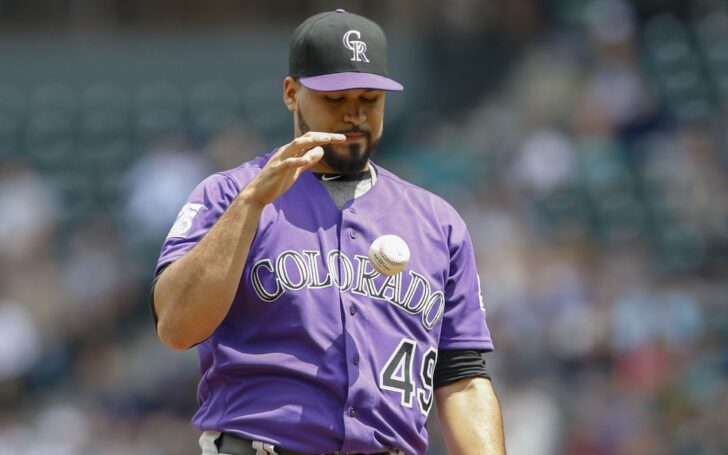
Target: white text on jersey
(292,271)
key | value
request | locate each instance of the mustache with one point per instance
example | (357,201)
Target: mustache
(354,129)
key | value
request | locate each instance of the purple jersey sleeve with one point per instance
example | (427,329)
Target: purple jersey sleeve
(207,202)
(203,208)
(463,323)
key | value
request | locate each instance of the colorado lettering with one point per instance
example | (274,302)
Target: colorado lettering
(293,271)
(265,295)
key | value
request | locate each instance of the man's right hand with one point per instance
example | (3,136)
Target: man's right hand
(286,165)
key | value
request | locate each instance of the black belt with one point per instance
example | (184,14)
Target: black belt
(230,444)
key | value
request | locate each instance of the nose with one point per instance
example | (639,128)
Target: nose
(355,115)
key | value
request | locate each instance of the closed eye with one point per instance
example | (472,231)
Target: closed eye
(334,100)
(369,100)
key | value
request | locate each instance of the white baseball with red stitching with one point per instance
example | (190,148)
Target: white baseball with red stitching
(389,254)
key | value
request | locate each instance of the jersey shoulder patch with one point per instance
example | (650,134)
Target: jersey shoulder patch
(183,223)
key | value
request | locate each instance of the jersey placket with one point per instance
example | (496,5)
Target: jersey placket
(351,243)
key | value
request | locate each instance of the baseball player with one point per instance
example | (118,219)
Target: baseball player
(304,347)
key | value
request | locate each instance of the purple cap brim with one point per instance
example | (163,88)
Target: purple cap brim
(349,81)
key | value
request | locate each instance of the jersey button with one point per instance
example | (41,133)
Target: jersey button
(352,310)
(352,234)
(356,359)
(352,412)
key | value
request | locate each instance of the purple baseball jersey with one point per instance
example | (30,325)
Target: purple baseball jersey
(320,353)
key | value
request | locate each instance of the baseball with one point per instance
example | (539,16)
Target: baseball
(389,254)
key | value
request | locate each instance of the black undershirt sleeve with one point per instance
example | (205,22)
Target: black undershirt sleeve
(151,295)
(454,365)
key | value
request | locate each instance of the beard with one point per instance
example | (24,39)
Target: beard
(354,160)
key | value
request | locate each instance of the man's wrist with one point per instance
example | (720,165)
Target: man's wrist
(246,197)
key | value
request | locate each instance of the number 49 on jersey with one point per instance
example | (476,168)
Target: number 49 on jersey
(397,375)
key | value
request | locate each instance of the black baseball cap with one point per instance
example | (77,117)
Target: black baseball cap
(337,50)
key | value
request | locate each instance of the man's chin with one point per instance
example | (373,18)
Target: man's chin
(350,160)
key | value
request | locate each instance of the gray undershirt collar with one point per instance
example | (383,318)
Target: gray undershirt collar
(342,191)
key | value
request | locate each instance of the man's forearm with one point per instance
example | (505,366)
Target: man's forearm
(470,417)
(194,294)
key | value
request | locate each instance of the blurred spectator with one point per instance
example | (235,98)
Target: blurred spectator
(233,146)
(527,434)
(155,188)
(22,344)
(545,163)
(96,280)
(29,214)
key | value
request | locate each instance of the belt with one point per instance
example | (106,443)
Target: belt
(230,444)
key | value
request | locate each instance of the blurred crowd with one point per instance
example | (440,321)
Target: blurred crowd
(585,149)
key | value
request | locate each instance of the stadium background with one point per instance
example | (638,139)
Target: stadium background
(584,141)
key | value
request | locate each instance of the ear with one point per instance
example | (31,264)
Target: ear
(290,92)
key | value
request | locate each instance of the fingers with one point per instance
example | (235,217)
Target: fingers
(315,154)
(310,158)
(310,140)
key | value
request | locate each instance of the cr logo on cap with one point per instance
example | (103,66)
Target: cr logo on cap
(359,48)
